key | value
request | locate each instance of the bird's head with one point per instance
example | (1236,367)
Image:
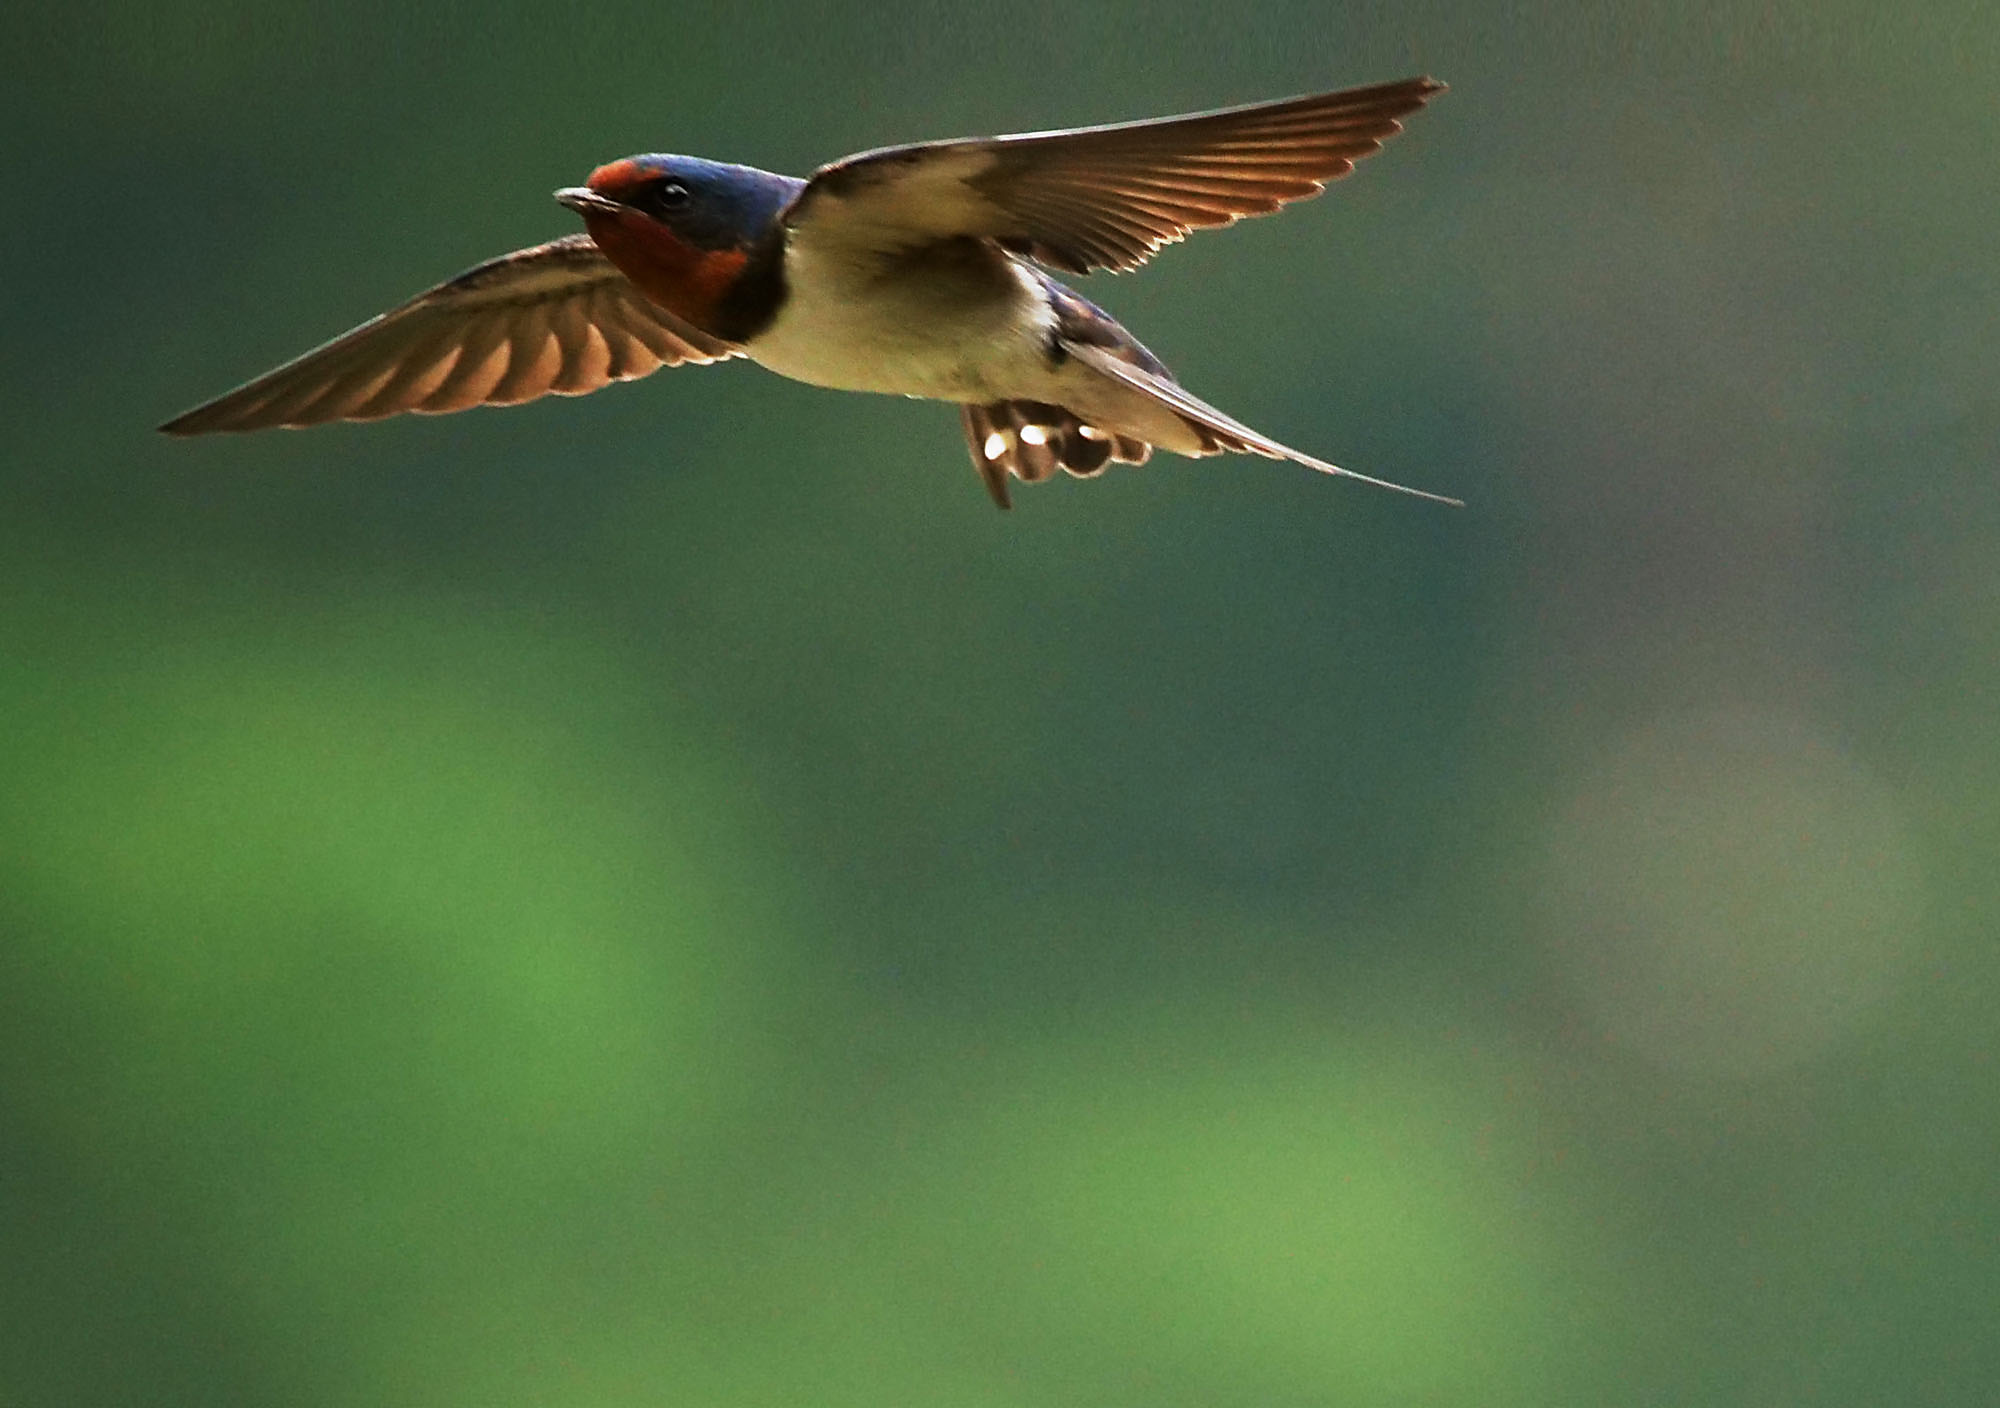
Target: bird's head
(681,228)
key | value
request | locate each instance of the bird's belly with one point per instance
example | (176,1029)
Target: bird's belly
(950,328)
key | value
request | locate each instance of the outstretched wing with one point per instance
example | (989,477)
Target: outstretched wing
(555,318)
(1106,197)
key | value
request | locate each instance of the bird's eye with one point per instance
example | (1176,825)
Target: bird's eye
(670,195)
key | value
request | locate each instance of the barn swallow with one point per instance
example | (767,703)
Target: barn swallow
(915,270)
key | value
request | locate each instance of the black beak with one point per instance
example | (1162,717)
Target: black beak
(585,201)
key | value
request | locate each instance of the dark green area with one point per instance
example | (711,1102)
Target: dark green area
(671,899)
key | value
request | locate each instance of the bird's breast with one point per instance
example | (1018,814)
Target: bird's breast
(955,320)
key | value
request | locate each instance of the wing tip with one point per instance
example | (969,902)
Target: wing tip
(188,424)
(225,415)
(1402,98)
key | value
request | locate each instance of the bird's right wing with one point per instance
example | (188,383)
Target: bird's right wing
(555,318)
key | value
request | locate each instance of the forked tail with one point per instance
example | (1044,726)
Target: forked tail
(1226,432)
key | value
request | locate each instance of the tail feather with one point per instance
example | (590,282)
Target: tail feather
(1222,432)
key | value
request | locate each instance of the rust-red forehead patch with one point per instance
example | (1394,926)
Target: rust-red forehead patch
(615,176)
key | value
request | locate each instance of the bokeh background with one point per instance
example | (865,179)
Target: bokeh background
(670,898)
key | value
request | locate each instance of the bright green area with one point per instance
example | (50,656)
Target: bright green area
(671,899)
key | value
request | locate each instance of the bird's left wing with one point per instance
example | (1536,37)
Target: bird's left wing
(558,317)
(1106,197)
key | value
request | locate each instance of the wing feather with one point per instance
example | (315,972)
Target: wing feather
(369,391)
(536,358)
(557,317)
(483,354)
(1108,197)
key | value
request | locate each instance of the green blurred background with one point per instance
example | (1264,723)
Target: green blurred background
(670,898)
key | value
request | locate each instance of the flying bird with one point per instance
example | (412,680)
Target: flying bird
(916,270)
